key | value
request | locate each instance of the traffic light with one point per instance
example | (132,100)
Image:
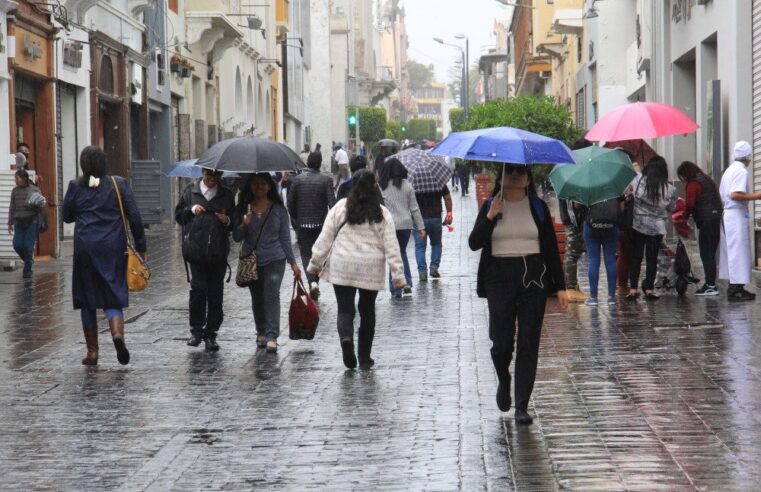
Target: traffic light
(404,128)
(352,120)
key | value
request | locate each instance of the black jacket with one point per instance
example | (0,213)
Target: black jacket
(708,206)
(480,238)
(310,195)
(223,201)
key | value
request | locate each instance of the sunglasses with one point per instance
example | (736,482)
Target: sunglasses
(516,169)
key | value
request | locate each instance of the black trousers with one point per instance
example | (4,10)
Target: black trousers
(465,183)
(346,311)
(306,239)
(207,285)
(516,296)
(647,246)
(709,235)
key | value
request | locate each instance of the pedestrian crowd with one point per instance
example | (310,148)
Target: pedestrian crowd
(350,226)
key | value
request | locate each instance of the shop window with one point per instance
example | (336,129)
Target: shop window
(106,81)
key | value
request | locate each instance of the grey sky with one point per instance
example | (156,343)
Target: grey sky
(427,19)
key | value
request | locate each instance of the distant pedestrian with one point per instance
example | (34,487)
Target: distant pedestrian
(25,205)
(357,162)
(519,268)
(309,199)
(601,233)
(99,275)
(204,213)
(735,246)
(703,203)
(430,208)
(572,215)
(654,199)
(342,164)
(463,175)
(624,255)
(356,242)
(304,155)
(262,225)
(399,198)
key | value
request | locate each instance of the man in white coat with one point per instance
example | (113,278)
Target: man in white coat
(735,252)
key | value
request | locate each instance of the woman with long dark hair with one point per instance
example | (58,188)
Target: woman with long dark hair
(399,198)
(704,205)
(519,267)
(654,198)
(263,226)
(99,276)
(357,240)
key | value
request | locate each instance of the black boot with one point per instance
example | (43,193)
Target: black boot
(502,367)
(210,342)
(365,341)
(117,332)
(195,339)
(347,347)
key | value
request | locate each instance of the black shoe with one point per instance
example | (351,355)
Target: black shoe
(740,294)
(27,274)
(522,417)
(122,354)
(435,272)
(366,364)
(194,340)
(503,397)
(347,347)
(211,344)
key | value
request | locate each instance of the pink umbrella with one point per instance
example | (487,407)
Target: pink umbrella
(641,120)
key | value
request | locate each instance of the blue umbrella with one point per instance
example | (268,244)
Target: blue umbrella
(189,169)
(505,144)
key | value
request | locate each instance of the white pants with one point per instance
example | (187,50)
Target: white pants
(734,249)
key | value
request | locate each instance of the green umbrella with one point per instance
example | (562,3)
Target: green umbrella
(601,174)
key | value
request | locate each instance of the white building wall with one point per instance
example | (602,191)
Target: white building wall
(5,133)
(318,89)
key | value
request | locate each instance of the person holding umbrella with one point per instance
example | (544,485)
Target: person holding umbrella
(519,267)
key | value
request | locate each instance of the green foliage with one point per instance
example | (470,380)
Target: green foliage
(419,74)
(419,129)
(536,114)
(457,119)
(394,130)
(372,124)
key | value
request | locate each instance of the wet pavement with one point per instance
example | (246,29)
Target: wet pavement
(662,395)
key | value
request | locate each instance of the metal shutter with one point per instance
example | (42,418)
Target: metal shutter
(757,102)
(146,185)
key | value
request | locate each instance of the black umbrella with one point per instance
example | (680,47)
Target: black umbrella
(250,155)
(387,142)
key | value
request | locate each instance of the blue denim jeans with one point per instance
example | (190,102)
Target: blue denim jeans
(403,236)
(607,239)
(265,299)
(23,242)
(433,230)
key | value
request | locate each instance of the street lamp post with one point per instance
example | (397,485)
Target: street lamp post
(467,72)
(464,88)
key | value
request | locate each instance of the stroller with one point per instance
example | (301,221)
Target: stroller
(675,268)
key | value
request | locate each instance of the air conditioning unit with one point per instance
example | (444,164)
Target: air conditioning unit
(545,74)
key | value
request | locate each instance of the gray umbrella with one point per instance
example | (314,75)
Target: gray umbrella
(387,142)
(250,155)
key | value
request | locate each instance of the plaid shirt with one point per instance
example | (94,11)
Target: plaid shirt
(650,217)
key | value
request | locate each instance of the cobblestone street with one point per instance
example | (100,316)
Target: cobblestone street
(659,395)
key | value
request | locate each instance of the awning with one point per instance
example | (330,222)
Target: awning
(567,21)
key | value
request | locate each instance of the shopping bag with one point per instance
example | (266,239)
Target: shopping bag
(303,315)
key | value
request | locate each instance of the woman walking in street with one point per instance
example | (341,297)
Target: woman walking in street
(25,205)
(263,228)
(519,267)
(99,277)
(704,204)
(601,233)
(654,198)
(399,198)
(357,240)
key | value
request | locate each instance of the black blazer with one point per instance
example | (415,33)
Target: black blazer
(480,238)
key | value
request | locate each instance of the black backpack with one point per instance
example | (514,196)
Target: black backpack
(603,215)
(205,240)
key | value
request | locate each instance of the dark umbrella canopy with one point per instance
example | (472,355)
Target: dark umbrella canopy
(387,142)
(250,155)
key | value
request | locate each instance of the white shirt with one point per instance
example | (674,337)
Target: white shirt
(735,179)
(208,193)
(342,157)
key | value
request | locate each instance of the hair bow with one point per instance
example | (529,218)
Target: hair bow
(94,182)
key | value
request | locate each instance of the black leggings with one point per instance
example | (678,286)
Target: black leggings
(709,234)
(643,244)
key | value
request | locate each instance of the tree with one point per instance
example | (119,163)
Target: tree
(372,124)
(455,74)
(420,74)
(457,119)
(394,130)
(420,129)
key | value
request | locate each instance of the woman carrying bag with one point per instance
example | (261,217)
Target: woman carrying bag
(357,240)
(263,226)
(99,277)
(520,266)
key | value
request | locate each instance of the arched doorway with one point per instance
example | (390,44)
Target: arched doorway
(249,103)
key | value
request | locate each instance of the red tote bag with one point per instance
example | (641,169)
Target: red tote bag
(304,315)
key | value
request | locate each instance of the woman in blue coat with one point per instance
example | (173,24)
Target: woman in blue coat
(99,278)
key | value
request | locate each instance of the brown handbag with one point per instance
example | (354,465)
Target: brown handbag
(138,273)
(248,266)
